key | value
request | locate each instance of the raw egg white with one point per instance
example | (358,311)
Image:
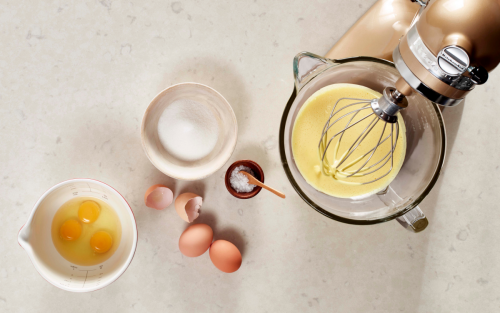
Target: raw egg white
(86,231)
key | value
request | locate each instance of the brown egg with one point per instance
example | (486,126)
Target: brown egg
(225,256)
(195,240)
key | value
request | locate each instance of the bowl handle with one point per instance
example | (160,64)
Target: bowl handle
(308,65)
(414,220)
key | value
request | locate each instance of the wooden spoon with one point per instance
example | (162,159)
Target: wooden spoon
(252,180)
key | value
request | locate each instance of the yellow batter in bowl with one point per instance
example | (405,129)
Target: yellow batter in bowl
(307,132)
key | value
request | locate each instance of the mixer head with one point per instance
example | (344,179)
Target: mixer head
(449,49)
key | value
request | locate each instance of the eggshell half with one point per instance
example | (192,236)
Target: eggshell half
(225,256)
(188,205)
(158,197)
(196,240)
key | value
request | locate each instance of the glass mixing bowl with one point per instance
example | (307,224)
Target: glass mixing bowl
(426,143)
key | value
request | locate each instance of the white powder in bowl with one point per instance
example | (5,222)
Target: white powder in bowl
(188,130)
(239,182)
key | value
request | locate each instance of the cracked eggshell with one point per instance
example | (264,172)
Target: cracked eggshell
(158,197)
(188,205)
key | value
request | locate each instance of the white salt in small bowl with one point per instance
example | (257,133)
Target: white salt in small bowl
(170,164)
(258,174)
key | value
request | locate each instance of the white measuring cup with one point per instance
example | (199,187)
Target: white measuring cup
(35,237)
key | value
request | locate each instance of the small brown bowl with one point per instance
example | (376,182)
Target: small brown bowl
(257,170)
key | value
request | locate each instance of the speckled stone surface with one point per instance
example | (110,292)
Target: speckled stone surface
(75,80)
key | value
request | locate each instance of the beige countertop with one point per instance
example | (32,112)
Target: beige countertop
(75,80)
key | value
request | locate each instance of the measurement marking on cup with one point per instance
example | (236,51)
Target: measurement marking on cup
(104,196)
(85,279)
(86,275)
(90,191)
(99,280)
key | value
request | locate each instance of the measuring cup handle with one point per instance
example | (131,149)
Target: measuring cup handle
(414,220)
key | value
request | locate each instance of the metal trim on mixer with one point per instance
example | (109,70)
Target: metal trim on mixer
(391,119)
(387,106)
(418,85)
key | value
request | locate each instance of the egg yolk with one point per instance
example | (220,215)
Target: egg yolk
(89,212)
(71,230)
(101,241)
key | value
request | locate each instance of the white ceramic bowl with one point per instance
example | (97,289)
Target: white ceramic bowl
(35,237)
(169,164)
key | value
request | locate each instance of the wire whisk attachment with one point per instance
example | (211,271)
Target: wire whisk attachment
(356,130)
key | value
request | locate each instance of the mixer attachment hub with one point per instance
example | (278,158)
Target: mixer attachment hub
(387,106)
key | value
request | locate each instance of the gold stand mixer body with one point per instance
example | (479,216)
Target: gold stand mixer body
(378,31)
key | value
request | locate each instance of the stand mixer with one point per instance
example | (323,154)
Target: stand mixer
(441,50)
